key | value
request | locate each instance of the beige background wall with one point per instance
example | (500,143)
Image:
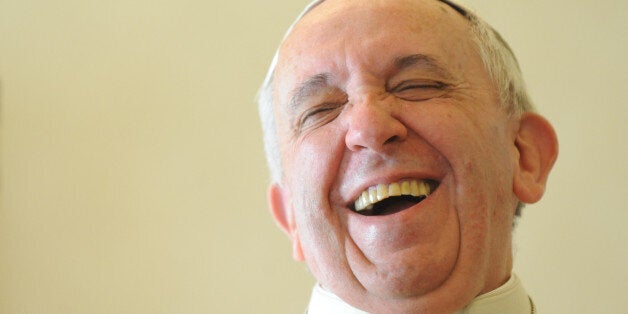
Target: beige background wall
(132,174)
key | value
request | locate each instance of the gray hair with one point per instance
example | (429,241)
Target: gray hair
(498,59)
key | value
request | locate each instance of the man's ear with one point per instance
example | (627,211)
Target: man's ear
(538,148)
(283,214)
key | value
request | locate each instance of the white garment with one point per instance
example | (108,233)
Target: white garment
(510,298)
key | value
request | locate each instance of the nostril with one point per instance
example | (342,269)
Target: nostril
(393,138)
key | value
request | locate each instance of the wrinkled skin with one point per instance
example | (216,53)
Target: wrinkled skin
(367,118)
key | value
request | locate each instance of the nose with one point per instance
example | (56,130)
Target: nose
(373,124)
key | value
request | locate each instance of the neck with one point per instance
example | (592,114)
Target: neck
(508,298)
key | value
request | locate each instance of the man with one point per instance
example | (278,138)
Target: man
(401,143)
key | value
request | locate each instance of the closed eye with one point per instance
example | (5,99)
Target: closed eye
(319,115)
(418,90)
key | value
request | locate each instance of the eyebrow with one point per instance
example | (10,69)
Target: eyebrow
(421,61)
(308,88)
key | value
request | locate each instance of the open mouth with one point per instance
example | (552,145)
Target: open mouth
(387,199)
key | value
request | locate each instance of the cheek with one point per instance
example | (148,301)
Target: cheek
(471,140)
(310,173)
(314,160)
(475,144)
(312,163)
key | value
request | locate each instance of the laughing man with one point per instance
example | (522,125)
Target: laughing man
(402,145)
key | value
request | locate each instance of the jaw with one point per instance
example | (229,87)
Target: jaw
(431,256)
(364,259)
(406,253)
(442,267)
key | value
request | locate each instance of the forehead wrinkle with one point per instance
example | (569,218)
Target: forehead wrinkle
(317,82)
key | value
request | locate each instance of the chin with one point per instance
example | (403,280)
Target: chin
(409,279)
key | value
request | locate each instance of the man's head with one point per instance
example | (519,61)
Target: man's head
(369,98)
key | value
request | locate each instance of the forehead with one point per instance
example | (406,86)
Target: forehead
(344,35)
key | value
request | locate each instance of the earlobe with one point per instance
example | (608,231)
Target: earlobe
(282,213)
(537,145)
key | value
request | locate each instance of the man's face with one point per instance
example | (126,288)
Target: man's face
(387,93)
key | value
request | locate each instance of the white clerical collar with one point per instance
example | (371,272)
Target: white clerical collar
(510,298)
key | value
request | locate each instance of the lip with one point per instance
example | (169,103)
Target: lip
(402,216)
(388,179)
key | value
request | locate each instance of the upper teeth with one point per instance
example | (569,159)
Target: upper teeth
(380,192)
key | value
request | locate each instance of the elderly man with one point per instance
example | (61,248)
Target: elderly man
(402,144)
